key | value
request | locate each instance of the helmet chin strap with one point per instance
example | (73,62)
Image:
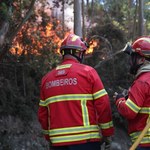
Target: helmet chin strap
(136,62)
(79,57)
(134,69)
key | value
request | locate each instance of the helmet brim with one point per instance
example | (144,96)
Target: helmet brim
(71,47)
(128,49)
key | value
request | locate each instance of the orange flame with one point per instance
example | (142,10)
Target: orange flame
(38,40)
(39,37)
(92,45)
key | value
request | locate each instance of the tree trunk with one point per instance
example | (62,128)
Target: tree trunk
(63,16)
(3,32)
(135,22)
(130,30)
(77,18)
(87,1)
(83,19)
(141,19)
(92,6)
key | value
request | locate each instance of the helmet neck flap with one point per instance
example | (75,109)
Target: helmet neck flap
(79,55)
(134,63)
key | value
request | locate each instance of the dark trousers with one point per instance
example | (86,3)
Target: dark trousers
(143,148)
(85,146)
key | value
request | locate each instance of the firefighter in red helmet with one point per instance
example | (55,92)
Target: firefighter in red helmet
(136,107)
(74,110)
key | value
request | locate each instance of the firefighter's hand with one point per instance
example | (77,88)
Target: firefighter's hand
(107,141)
(124,94)
(117,96)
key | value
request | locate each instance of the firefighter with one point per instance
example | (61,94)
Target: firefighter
(74,110)
(136,107)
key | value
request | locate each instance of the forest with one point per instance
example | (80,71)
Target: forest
(31,32)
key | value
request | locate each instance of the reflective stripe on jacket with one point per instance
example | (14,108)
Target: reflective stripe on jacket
(74,106)
(137,108)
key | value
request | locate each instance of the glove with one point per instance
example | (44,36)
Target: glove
(50,146)
(123,94)
(107,141)
(118,98)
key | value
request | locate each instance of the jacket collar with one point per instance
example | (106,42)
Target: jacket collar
(143,68)
(69,58)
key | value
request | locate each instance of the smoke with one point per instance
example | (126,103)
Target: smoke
(57,12)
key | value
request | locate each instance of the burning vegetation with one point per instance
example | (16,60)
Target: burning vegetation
(34,39)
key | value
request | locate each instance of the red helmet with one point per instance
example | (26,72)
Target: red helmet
(140,46)
(73,42)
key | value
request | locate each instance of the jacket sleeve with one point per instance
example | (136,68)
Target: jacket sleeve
(43,115)
(130,108)
(102,105)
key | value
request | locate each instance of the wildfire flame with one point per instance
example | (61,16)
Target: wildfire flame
(34,39)
(37,38)
(92,45)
